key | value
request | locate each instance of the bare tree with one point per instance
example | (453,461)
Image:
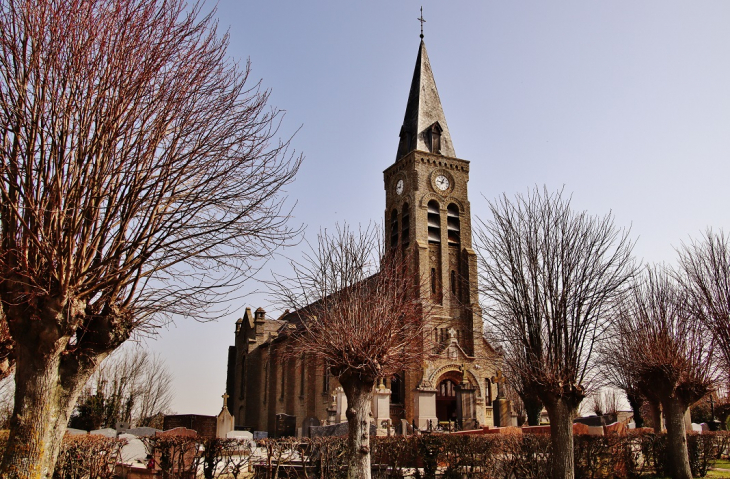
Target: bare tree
(606,400)
(705,274)
(616,377)
(137,181)
(549,275)
(666,352)
(130,386)
(359,311)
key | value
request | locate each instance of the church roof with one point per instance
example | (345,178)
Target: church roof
(423,112)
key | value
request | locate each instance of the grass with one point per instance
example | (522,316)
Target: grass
(722,464)
(718,474)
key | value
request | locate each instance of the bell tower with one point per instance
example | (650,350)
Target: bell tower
(428,217)
(428,213)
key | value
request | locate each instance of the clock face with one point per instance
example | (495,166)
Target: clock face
(399,187)
(442,183)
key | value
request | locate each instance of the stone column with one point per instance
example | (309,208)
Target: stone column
(425,398)
(332,411)
(381,405)
(341,406)
(502,416)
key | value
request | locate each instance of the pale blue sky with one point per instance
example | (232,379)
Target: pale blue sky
(624,103)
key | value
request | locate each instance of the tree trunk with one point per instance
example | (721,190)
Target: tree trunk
(359,394)
(533,407)
(46,389)
(674,411)
(561,430)
(636,401)
(656,416)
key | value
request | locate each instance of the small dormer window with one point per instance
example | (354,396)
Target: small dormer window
(436,138)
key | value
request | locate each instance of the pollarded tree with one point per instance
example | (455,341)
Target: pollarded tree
(358,310)
(704,272)
(549,276)
(138,180)
(666,352)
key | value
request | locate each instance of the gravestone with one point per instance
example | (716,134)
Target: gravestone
(204,425)
(286,425)
(308,423)
(224,421)
(133,451)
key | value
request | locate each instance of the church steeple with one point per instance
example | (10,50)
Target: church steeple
(424,125)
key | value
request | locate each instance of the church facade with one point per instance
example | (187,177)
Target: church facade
(428,216)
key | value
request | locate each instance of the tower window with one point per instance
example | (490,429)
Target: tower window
(453,226)
(433,280)
(406,224)
(434,222)
(453,282)
(436,138)
(394,228)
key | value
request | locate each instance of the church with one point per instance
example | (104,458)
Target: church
(427,214)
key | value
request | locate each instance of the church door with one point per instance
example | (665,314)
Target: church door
(446,401)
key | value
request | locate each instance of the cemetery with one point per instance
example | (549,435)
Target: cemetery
(216,451)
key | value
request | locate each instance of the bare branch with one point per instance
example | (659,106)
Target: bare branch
(550,278)
(140,177)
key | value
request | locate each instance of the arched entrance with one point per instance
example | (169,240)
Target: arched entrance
(446,397)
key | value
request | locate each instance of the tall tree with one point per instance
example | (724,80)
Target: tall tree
(549,275)
(138,180)
(666,353)
(704,271)
(359,312)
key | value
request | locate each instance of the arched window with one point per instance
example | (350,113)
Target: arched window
(326,379)
(433,281)
(447,388)
(394,229)
(303,374)
(406,224)
(453,225)
(242,393)
(489,391)
(282,371)
(396,389)
(434,222)
(453,282)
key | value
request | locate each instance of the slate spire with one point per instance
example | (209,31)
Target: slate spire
(424,125)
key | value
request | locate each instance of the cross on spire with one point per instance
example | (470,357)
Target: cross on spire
(225,400)
(422,20)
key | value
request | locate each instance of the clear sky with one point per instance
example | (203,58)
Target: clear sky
(625,104)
